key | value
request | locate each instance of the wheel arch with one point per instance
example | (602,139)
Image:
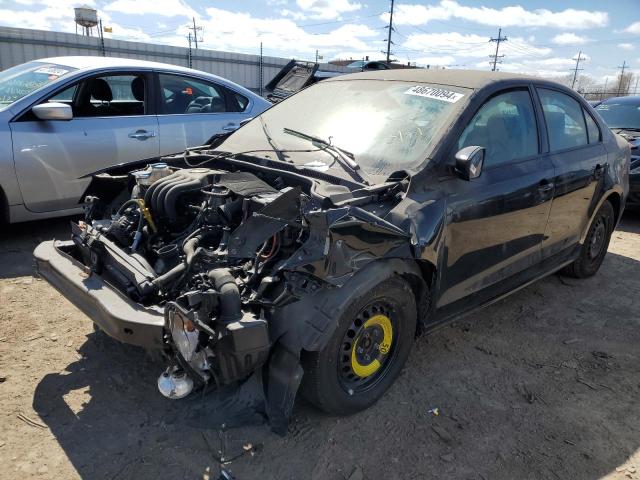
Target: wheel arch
(614,196)
(616,202)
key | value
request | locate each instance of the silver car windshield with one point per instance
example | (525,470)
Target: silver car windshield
(386,125)
(19,81)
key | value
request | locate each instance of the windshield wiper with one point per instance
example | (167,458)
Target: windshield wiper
(345,158)
(279,152)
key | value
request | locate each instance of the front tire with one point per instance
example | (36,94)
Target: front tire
(367,351)
(595,245)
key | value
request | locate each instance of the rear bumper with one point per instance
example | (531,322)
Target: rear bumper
(120,317)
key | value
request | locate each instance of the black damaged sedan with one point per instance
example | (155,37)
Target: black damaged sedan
(311,245)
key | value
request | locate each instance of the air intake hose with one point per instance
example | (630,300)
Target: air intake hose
(229,295)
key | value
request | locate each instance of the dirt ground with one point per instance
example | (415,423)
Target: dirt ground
(544,384)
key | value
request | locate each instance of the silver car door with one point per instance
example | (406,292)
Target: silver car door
(111,124)
(191,110)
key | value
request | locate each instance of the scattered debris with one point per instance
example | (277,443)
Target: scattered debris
(569,341)
(449,457)
(434,411)
(357,474)
(526,393)
(598,354)
(29,421)
(444,435)
(225,474)
(592,387)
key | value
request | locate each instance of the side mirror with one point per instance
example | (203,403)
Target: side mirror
(53,111)
(469,162)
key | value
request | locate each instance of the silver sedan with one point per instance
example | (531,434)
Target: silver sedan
(62,118)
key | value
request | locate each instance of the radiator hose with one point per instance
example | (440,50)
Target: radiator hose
(229,295)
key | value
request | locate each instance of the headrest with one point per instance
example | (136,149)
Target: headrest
(100,90)
(137,88)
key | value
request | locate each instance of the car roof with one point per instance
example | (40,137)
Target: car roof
(630,100)
(460,78)
(93,62)
(89,63)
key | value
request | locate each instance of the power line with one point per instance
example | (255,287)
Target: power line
(339,21)
(496,56)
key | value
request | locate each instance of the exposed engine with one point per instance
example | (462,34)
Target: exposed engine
(188,239)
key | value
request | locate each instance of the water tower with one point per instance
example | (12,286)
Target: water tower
(87,18)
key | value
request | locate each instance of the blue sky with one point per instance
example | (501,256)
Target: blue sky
(544,37)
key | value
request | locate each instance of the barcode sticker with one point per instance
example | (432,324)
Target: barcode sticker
(435,93)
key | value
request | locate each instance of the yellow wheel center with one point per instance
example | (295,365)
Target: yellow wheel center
(379,350)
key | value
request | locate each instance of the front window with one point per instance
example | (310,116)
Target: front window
(386,125)
(620,115)
(19,81)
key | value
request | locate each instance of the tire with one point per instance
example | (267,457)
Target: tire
(361,338)
(595,245)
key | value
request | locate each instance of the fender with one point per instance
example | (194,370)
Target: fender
(309,323)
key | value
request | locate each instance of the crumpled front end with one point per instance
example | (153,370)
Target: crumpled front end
(222,256)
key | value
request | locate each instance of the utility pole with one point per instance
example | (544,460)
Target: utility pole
(635,89)
(190,62)
(604,90)
(195,34)
(390,27)
(102,39)
(575,71)
(496,56)
(261,73)
(624,65)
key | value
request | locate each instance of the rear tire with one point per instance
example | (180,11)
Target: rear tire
(595,244)
(367,351)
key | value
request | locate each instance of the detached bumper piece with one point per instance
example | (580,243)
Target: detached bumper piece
(120,317)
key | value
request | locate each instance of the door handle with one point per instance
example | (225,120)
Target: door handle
(142,134)
(230,127)
(545,186)
(598,171)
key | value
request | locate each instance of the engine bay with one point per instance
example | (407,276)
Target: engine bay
(224,253)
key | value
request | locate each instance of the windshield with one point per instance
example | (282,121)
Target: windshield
(620,115)
(386,125)
(19,81)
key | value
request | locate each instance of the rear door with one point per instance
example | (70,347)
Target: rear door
(579,159)
(496,222)
(112,123)
(191,110)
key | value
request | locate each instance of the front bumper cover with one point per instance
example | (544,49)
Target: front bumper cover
(120,317)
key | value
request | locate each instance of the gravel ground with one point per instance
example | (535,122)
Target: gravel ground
(544,384)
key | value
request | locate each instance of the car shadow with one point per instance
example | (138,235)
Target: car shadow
(539,385)
(630,221)
(18,241)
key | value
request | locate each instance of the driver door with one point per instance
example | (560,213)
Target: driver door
(496,222)
(111,124)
